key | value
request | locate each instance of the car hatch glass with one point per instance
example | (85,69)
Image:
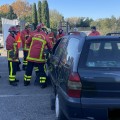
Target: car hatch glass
(102,54)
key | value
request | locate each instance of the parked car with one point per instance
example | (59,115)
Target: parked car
(85,75)
(1,40)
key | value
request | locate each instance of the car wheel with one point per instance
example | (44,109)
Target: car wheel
(58,111)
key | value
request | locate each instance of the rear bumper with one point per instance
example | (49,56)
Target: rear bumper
(71,107)
(97,108)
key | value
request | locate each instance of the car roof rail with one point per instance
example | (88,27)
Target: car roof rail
(77,33)
(113,34)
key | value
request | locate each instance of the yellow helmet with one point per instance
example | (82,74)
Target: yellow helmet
(27,24)
(48,29)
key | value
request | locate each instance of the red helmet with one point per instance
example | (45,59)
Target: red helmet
(12,29)
(40,25)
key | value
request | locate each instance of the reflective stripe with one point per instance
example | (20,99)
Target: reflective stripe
(11,76)
(11,79)
(36,69)
(27,78)
(42,79)
(25,62)
(11,69)
(40,59)
(15,47)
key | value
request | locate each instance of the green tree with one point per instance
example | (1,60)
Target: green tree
(55,18)
(34,15)
(45,13)
(39,12)
(11,15)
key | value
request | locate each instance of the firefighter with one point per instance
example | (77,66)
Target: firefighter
(24,36)
(37,41)
(60,34)
(94,32)
(18,40)
(51,36)
(12,55)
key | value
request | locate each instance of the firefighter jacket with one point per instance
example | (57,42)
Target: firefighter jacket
(12,49)
(37,42)
(24,36)
(95,33)
(59,36)
(18,39)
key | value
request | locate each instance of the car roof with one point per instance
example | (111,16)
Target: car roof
(83,38)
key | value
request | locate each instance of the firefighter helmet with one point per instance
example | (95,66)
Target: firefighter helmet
(39,26)
(27,24)
(12,29)
(48,30)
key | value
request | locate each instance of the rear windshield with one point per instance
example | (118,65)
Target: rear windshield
(101,54)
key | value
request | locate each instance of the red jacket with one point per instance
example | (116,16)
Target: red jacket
(12,49)
(24,36)
(59,36)
(95,33)
(37,42)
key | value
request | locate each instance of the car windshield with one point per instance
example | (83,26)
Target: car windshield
(105,53)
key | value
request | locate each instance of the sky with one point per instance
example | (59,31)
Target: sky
(94,9)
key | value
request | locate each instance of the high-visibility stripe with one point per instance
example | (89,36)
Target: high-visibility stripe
(40,59)
(12,76)
(11,69)
(36,69)
(27,78)
(11,79)
(42,79)
(15,46)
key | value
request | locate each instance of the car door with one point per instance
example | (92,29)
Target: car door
(55,59)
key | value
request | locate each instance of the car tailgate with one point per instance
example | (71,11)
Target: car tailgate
(100,84)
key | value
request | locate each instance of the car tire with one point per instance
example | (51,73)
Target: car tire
(58,112)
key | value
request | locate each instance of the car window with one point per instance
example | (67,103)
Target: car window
(70,56)
(60,48)
(102,54)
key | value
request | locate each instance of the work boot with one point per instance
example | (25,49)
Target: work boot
(43,85)
(26,83)
(13,83)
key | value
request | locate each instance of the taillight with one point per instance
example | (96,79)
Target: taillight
(74,85)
